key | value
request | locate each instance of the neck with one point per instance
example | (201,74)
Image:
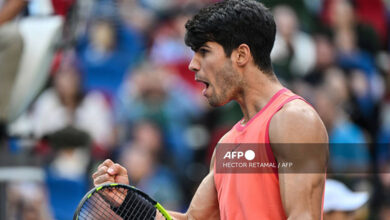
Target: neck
(258,91)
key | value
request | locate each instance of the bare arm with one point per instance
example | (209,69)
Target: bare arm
(10,9)
(298,135)
(204,204)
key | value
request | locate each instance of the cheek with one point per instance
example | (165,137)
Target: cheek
(214,63)
(210,69)
(223,85)
(226,76)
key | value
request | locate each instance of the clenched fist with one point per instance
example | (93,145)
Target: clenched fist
(110,172)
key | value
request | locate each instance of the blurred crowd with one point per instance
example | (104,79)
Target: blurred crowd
(118,87)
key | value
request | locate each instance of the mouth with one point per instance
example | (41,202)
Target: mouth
(206,83)
(203,81)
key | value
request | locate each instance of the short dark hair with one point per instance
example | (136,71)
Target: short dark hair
(231,23)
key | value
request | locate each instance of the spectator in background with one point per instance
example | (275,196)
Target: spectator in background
(348,99)
(365,96)
(341,18)
(168,48)
(340,203)
(383,137)
(294,52)
(325,59)
(150,94)
(11,45)
(366,84)
(27,201)
(147,15)
(108,50)
(302,8)
(137,17)
(357,45)
(142,157)
(71,148)
(348,149)
(66,104)
(61,7)
(66,174)
(164,7)
(373,12)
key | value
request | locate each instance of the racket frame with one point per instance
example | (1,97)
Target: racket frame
(157,205)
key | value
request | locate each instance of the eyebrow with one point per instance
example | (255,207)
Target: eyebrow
(203,46)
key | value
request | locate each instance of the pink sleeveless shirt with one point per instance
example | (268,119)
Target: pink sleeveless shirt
(253,196)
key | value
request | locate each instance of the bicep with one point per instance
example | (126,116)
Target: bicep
(302,179)
(299,140)
(204,204)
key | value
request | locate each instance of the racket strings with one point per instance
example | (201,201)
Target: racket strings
(137,207)
(96,208)
(117,204)
(131,199)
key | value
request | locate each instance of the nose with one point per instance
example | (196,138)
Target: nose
(194,65)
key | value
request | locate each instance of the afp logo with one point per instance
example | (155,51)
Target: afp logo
(249,155)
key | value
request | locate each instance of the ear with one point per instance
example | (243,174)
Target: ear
(242,55)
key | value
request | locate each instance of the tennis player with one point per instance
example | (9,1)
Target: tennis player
(232,41)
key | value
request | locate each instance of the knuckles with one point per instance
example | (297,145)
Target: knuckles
(102,176)
(102,179)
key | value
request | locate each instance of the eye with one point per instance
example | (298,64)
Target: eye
(203,51)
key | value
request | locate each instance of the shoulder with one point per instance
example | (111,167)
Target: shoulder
(297,122)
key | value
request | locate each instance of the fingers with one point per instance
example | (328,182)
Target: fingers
(105,178)
(101,176)
(109,171)
(117,169)
(106,163)
(99,172)
(159,216)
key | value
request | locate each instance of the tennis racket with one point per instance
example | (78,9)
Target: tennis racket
(119,202)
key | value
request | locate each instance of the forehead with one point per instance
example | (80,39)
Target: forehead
(213,45)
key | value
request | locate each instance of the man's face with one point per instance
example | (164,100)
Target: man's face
(216,71)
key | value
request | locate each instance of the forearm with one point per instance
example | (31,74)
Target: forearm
(11,9)
(204,204)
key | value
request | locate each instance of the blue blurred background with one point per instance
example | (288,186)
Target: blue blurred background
(97,79)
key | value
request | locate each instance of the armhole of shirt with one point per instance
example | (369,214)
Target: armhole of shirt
(268,148)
